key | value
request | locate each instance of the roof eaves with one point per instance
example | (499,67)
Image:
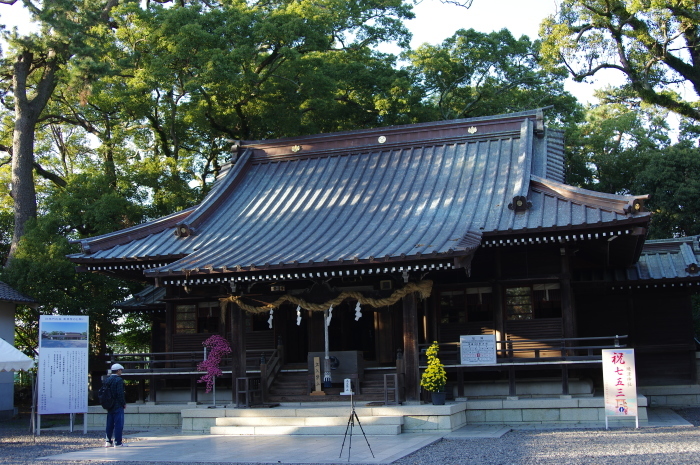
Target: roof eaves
(124,236)
(452,256)
(8,294)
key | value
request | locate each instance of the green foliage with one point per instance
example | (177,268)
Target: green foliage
(88,206)
(6,225)
(624,147)
(133,334)
(434,377)
(653,43)
(477,74)
(41,270)
(672,179)
(609,149)
(148,97)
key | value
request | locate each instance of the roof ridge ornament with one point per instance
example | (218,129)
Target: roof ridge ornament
(184,230)
(635,206)
(520,204)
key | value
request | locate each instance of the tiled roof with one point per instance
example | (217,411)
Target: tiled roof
(8,294)
(668,259)
(661,261)
(150,297)
(392,195)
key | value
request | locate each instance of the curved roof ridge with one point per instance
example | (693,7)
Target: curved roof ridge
(222,189)
(623,204)
(411,126)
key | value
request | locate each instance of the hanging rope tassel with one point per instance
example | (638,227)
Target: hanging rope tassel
(358,311)
(298,315)
(269,321)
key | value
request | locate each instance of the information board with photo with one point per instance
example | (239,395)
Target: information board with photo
(63,364)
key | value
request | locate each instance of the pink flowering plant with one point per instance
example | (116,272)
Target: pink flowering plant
(218,347)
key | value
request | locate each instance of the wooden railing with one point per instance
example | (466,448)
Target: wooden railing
(269,370)
(536,350)
(164,362)
(154,366)
(518,354)
(157,361)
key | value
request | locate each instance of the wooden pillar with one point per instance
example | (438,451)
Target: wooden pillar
(499,311)
(410,347)
(499,315)
(238,358)
(568,311)
(169,326)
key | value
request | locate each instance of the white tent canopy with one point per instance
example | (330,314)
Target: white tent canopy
(12,359)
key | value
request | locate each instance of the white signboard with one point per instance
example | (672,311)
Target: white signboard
(63,364)
(478,350)
(619,379)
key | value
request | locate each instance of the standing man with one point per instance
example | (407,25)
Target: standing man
(115,415)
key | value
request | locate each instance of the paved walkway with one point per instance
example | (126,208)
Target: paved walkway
(169,446)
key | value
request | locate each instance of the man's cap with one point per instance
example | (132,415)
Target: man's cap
(116,367)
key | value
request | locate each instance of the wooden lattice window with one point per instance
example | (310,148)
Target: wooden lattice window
(185,319)
(533,302)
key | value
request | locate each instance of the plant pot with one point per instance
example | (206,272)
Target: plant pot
(438,398)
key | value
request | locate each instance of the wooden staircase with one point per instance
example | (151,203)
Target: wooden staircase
(291,385)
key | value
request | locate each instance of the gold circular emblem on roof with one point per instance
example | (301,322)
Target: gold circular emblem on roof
(381,139)
(296,148)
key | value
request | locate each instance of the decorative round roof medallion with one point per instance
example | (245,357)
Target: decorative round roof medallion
(296,148)
(381,139)
(472,130)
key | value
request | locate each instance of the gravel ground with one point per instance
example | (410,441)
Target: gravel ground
(557,447)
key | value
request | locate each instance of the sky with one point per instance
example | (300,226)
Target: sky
(435,21)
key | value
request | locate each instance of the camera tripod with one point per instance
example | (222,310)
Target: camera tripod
(349,427)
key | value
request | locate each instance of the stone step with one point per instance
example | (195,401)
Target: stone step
(308,421)
(340,430)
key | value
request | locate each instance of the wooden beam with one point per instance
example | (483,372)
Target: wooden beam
(410,347)
(238,357)
(568,310)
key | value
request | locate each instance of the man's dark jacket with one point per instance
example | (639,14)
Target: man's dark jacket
(116,385)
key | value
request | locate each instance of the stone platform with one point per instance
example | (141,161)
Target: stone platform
(331,418)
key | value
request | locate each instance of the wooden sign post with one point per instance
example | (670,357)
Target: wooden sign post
(317,378)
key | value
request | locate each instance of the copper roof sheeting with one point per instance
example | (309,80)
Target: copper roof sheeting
(668,259)
(393,194)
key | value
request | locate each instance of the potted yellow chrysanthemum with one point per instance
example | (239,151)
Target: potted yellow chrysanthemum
(434,377)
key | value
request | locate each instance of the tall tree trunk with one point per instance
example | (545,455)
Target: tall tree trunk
(27,113)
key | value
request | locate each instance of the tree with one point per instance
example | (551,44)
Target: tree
(143,99)
(476,74)
(655,44)
(611,146)
(672,179)
(34,70)
(40,269)
(253,71)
